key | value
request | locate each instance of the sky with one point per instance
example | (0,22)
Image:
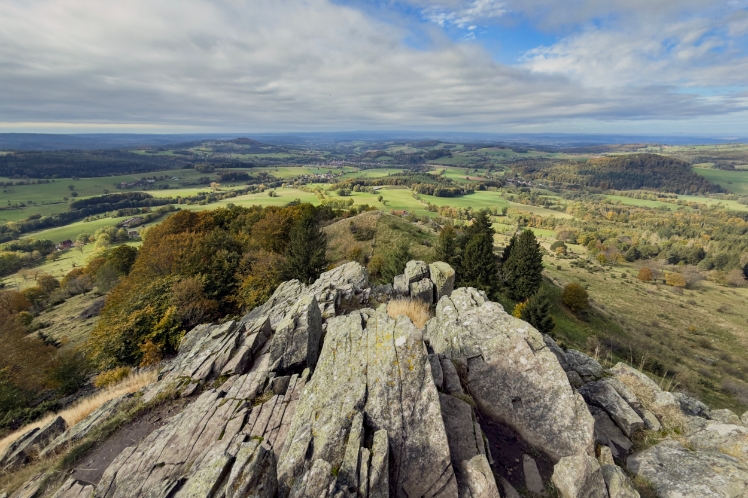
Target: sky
(182,66)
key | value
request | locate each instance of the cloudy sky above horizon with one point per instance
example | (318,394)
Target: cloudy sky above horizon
(578,66)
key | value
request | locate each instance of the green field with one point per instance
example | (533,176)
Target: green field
(734,181)
(629,201)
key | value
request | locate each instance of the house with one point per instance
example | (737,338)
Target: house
(65,244)
(133,234)
(133,222)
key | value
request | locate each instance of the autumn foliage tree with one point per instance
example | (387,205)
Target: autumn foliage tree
(575,297)
(645,275)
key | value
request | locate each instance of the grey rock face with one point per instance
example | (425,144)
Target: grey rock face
(379,471)
(574,379)
(602,395)
(692,407)
(609,434)
(416,271)
(587,368)
(744,418)
(19,451)
(451,383)
(676,472)
(533,481)
(75,489)
(560,354)
(511,374)
(725,416)
(467,449)
(579,476)
(373,364)
(660,400)
(443,277)
(618,483)
(400,285)
(727,438)
(423,290)
(296,342)
(436,370)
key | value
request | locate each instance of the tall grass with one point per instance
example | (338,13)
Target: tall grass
(417,311)
(88,405)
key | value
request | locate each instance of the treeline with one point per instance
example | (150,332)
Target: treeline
(421,183)
(79,210)
(626,172)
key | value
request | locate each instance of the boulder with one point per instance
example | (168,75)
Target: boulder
(579,476)
(479,478)
(587,368)
(618,483)
(423,290)
(513,377)
(19,451)
(659,401)
(400,286)
(725,416)
(443,277)
(677,472)
(717,436)
(560,354)
(296,343)
(605,456)
(691,407)
(602,395)
(533,481)
(609,434)
(416,271)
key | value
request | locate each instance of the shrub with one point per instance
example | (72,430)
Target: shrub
(375,266)
(675,279)
(113,376)
(645,275)
(558,244)
(575,297)
(517,312)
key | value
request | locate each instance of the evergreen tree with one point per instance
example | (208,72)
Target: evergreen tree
(478,266)
(537,313)
(523,269)
(305,255)
(395,262)
(446,246)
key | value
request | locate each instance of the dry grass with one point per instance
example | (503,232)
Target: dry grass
(86,406)
(418,311)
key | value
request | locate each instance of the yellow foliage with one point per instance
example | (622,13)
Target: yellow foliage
(517,313)
(645,275)
(113,376)
(675,279)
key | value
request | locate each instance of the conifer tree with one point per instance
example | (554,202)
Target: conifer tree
(305,256)
(395,262)
(522,271)
(478,265)
(537,313)
(446,247)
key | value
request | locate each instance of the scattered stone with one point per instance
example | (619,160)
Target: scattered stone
(692,407)
(587,368)
(675,471)
(618,483)
(443,277)
(602,395)
(725,416)
(533,481)
(579,476)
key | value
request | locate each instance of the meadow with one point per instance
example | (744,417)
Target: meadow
(734,181)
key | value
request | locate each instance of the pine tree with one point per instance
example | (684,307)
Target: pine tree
(305,256)
(522,271)
(396,261)
(538,314)
(478,266)
(446,246)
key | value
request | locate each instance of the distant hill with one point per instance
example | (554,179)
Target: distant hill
(625,172)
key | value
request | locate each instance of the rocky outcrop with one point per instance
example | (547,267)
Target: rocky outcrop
(513,377)
(602,395)
(19,452)
(579,476)
(677,472)
(443,277)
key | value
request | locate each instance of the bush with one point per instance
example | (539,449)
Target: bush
(645,275)
(675,279)
(517,311)
(69,371)
(575,297)
(110,377)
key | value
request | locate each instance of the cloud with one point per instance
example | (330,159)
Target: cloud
(465,15)
(289,65)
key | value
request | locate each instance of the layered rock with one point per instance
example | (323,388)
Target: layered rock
(513,377)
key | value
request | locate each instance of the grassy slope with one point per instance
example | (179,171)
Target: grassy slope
(734,181)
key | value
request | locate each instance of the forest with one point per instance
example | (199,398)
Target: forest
(625,172)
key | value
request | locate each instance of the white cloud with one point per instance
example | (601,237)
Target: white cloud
(464,15)
(285,64)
